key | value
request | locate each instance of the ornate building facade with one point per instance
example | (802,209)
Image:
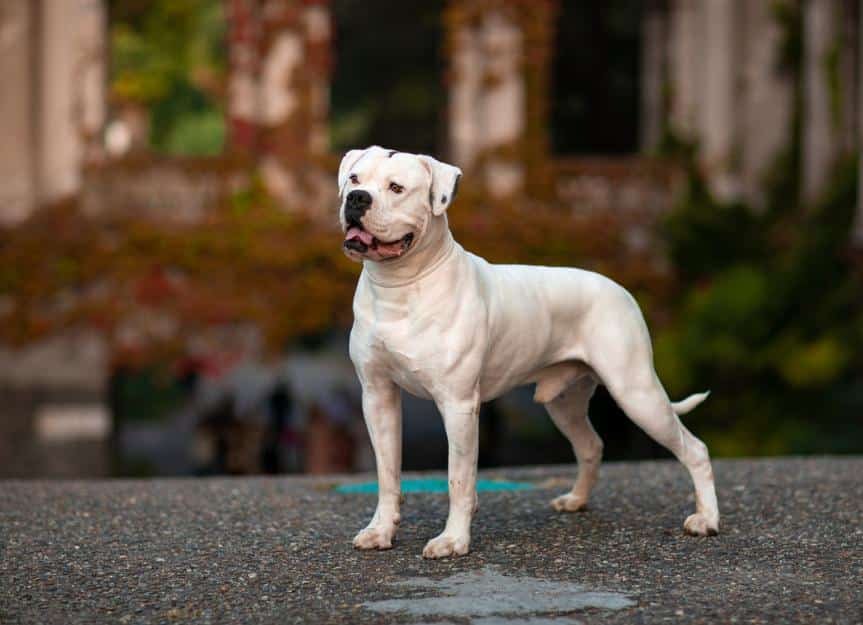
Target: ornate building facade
(715,74)
(739,80)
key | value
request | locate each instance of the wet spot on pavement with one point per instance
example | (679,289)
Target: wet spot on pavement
(486,594)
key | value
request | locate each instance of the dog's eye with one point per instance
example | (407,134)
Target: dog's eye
(396,188)
(354,179)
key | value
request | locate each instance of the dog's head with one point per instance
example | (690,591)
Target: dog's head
(388,200)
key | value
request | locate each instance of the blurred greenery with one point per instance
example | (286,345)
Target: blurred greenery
(770,306)
(171,58)
(768,315)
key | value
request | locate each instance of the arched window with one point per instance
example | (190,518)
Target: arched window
(387,86)
(595,78)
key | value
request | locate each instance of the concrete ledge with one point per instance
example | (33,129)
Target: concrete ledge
(277,550)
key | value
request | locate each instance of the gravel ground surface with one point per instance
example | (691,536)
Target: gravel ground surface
(278,550)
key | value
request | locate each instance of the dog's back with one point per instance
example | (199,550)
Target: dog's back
(535,317)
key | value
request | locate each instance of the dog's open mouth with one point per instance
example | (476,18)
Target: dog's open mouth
(362,241)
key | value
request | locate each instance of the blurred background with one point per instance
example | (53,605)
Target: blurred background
(173,296)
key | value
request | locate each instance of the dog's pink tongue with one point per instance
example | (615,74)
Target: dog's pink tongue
(390,250)
(358,233)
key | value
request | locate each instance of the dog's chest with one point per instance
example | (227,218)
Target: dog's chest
(389,349)
(409,341)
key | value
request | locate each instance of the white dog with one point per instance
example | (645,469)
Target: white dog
(443,324)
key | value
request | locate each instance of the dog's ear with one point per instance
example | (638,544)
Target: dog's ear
(444,183)
(350,159)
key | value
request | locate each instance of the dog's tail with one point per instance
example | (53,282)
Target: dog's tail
(685,406)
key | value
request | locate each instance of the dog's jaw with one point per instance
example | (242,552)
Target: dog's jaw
(431,244)
(362,243)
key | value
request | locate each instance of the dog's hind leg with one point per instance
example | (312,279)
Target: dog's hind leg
(568,410)
(636,389)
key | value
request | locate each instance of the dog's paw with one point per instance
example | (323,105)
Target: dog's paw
(698,525)
(569,503)
(445,545)
(375,538)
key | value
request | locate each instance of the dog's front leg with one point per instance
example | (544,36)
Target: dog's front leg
(383,415)
(461,420)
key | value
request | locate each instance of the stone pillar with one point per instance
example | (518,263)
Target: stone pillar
(503,103)
(18,55)
(654,73)
(59,147)
(71,91)
(766,97)
(719,102)
(500,53)
(466,58)
(279,88)
(686,66)
(821,141)
(728,92)
(90,77)
(52,104)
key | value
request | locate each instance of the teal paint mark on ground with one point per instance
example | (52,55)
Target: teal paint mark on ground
(430,485)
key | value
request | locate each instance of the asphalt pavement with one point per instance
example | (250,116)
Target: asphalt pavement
(278,550)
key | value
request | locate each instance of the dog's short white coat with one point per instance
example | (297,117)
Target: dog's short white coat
(442,323)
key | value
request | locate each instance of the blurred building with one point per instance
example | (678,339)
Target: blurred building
(714,73)
(711,73)
(53,59)
(721,73)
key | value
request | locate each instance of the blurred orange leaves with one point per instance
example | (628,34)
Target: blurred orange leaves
(280,271)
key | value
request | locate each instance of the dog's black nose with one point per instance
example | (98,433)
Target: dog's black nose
(356,205)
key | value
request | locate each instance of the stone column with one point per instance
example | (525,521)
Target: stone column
(466,58)
(503,103)
(71,91)
(821,141)
(500,53)
(766,97)
(686,66)
(52,104)
(279,88)
(654,73)
(719,102)
(59,148)
(18,55)
(90,77)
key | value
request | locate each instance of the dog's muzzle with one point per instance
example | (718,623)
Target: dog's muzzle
(358,239)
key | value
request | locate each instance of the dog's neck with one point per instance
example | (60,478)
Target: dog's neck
(436,246)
